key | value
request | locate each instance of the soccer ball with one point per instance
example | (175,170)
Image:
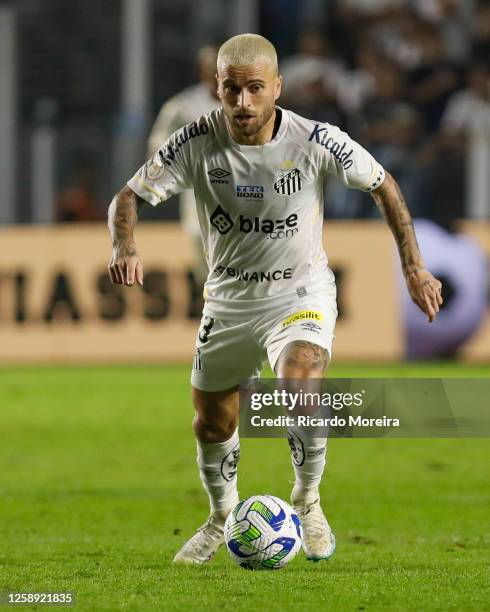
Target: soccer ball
(263,532)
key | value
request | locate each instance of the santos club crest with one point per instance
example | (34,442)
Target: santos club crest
(287,182)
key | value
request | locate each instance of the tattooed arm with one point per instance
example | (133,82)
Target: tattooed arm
(424,289)
(125,265)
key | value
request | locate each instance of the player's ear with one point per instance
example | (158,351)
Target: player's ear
(278,87)
(217,85)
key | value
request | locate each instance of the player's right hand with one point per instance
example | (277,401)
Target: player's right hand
(125,268)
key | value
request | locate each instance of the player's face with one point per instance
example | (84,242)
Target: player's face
(248,95)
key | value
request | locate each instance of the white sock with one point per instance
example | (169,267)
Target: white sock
(308,458)
(218,471)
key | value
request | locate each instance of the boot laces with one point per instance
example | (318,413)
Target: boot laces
(206,535)
(312,517)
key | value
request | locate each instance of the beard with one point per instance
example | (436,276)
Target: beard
(257,121)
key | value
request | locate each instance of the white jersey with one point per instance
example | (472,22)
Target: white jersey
(260,208)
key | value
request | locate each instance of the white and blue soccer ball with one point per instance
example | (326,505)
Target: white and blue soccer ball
(263,532)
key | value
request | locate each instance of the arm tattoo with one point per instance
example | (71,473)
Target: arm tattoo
(122,218)
(390,201)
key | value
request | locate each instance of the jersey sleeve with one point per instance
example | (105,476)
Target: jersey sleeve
(165,174)
(346,159)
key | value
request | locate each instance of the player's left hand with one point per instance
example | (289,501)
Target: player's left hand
(425,291)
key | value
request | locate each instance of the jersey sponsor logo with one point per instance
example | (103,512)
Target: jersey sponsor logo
(301,316)
(255,275)
(219,176)
(288,182)
(250,191)
(221,220)
(320,136)
(274,229)
(168,152)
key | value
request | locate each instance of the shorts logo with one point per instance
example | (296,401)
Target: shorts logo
(204,331)
(218,175)
(221,220)
(310,326)
(255,192)
(301,316)
(288,182)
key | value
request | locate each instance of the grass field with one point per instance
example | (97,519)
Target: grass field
(98,489)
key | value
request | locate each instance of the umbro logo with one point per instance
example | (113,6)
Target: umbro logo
(310,326)
(218,175)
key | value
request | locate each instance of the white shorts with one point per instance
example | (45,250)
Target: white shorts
(228,352)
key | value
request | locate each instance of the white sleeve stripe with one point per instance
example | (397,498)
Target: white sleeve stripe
(150,188)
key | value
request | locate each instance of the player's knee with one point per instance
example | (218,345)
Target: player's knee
(212,430)
(216,414)
(302,359)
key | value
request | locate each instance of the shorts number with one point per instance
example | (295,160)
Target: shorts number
(206,329)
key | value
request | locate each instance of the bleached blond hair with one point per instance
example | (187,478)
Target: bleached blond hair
(245,50)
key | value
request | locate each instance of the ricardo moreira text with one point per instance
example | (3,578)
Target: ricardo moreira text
(304,420)
(303,399)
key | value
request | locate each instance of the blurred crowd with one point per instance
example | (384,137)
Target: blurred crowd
(409,79)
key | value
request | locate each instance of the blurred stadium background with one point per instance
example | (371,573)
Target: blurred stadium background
(98,484)
(82,83)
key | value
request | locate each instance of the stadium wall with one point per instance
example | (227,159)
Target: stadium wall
(57,304)
(478,347)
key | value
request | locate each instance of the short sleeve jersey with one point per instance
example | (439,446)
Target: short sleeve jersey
(260,208)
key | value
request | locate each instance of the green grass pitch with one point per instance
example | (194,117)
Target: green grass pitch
(99,488)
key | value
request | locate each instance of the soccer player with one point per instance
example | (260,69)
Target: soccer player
(257,172)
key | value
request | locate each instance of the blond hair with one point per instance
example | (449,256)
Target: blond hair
(245,50)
